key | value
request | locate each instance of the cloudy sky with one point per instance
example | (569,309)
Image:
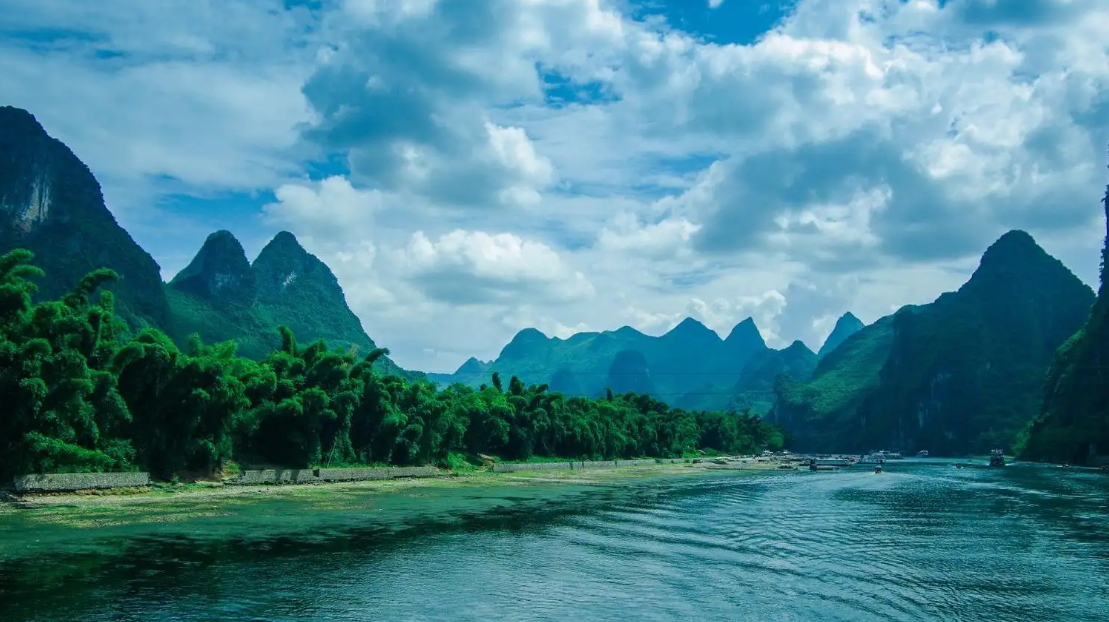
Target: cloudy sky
(469,168)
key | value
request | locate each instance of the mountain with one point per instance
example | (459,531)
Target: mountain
(220,296)
(689,366)
(214,297)
(298,290)
(846,325)
(629,373)
(51,204)
(754,389)
(219,273)
(962,374)
(1073,423)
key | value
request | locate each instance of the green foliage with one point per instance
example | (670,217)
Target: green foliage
(1073,424)
(82,395)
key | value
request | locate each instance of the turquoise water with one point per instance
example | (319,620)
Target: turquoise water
(920,542)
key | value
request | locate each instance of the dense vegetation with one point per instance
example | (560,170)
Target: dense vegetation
(81,395)
(52,205)
(961,375)
(1074,422)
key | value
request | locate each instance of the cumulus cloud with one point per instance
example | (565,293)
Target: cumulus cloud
(470,267)
(560,164)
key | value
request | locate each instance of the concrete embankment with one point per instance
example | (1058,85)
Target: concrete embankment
(320,476)
(517,467)
(70,482)
(74,482)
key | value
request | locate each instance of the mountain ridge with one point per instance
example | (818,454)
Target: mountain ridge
(952,376)
(52,205)
(846,325)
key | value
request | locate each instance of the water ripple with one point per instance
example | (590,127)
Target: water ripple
(919,543)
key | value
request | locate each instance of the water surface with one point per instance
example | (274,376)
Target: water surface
(920,542)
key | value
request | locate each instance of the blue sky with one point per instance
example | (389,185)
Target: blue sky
(469,170)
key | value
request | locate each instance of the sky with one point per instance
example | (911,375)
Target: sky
(471,168)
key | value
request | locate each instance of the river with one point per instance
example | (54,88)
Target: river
(919,542)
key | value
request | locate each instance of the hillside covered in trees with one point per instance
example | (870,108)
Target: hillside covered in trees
(52,205)
(81,395)
(1073,425)
(962,374)
(222,296)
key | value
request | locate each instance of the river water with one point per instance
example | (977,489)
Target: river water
(919,542)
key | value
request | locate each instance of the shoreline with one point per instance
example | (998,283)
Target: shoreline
(210,491)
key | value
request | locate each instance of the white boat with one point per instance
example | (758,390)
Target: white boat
(837,462)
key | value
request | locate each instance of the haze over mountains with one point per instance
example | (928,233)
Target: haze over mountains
(962,374)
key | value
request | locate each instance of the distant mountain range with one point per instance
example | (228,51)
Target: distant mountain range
(52,205)
(690,366)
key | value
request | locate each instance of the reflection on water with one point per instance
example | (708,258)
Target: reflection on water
(916,543)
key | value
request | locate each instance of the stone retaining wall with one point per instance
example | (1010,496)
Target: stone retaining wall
(316,476)
(599,464)
(70,482)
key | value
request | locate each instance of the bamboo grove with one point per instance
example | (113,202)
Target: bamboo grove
(81,393)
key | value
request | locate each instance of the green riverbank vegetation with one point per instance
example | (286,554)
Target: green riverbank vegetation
(81,392)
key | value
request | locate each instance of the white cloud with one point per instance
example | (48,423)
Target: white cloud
(468,267)
(857,157)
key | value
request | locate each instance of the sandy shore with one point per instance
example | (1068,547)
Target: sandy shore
(210,491)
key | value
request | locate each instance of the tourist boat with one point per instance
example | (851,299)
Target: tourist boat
(878,470)
(872,459)
(923,453)
(997,458)
(834,462)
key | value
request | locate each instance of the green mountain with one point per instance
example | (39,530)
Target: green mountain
(1073,424)
(846,326)
(214,297)
(755,388)
(689,367)
(680,361)
(629,373)
(51,204)
(298,290)
(220,296)
(962,374)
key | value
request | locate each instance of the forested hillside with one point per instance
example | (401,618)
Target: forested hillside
(51,204)
(1073,424)
(221,296)
(79,395)
(962,374)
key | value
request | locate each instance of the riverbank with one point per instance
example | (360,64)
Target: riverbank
(213,491)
